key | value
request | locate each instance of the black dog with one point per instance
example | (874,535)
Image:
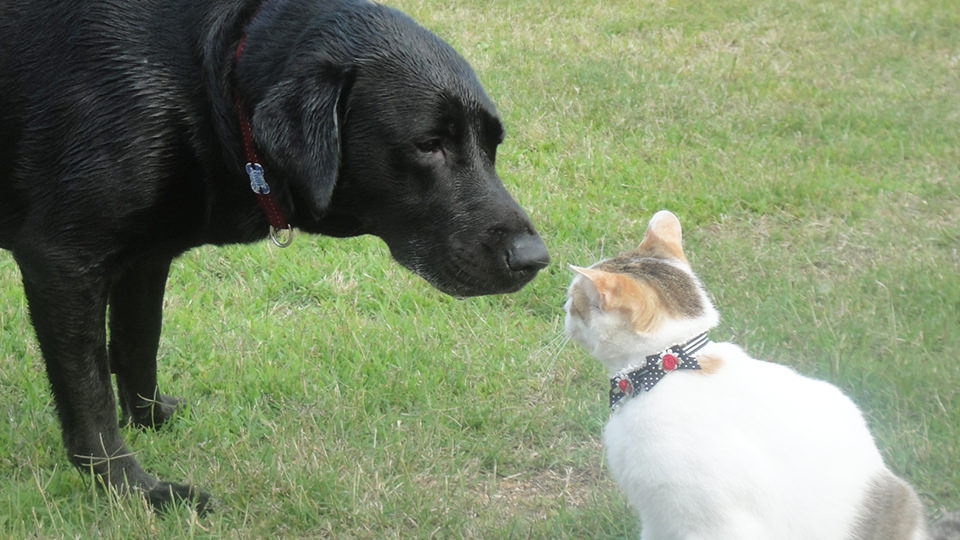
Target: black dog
(124,139)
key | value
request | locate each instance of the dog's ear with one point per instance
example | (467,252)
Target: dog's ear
(297,126)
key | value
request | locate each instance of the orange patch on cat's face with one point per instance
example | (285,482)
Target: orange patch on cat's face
(654,284)
(638,303)
(635,301)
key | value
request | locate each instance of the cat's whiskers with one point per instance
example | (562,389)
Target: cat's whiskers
(552,350)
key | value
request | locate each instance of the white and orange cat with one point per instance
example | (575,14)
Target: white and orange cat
(709,443)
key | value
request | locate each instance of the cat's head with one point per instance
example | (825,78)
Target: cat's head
(639,302)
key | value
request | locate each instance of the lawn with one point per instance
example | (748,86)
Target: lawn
(812,152)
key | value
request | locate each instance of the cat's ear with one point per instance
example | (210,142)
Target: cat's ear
(597,286)
(664,236)
(618,293)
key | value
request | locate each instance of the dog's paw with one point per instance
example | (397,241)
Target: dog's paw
(151,413)
(166,495)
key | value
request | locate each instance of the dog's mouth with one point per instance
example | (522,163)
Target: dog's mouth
(491,264)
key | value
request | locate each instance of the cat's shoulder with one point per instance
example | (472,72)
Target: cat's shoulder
(733,357)
(733,363)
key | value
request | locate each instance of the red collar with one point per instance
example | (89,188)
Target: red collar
(281,232)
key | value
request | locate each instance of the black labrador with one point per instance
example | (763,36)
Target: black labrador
(126,129)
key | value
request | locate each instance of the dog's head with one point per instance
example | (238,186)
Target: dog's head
(379,127)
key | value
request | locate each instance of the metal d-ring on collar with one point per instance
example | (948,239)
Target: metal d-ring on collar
(281,232)
(281,235)
(629,383)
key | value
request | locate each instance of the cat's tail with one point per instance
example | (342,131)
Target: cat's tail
(947,527)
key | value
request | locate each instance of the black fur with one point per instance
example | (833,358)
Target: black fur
(121,150)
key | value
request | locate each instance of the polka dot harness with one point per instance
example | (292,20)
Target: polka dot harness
(625,385)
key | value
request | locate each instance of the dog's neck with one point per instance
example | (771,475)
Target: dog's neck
(281,232)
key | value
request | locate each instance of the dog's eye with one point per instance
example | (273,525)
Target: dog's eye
(430,146)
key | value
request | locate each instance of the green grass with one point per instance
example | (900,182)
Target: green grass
(812,151)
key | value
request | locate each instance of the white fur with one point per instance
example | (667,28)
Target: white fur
(753,451)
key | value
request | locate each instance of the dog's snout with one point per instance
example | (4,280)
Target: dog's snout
(527,251)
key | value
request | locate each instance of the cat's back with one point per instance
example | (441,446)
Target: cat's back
(774,394)
(745,433)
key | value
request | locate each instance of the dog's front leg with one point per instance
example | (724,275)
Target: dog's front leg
(136,312)
(67,295)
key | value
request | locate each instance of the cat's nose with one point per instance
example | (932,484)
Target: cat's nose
(526,251)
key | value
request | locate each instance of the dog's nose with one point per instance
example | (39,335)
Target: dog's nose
(527,252)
